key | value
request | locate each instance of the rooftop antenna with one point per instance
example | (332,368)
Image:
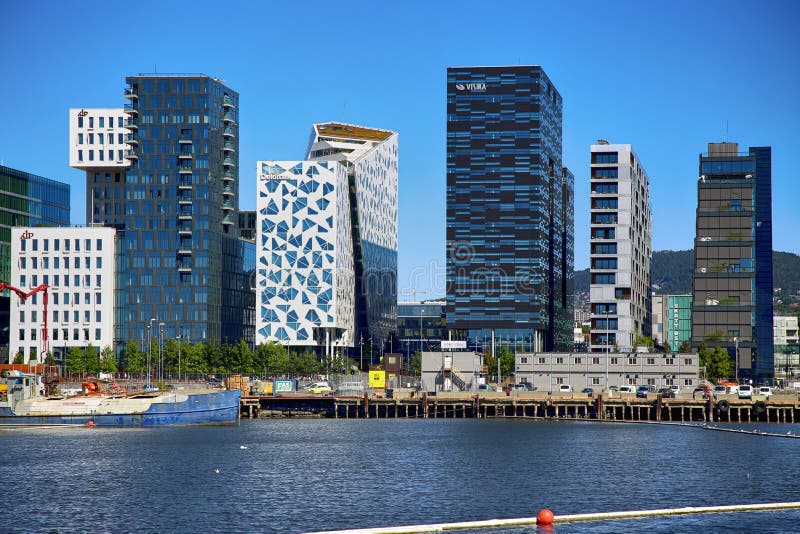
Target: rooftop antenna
(725,139)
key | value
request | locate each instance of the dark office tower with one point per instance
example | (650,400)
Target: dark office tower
(181,261)
(509,221)
(566,317)
(732,282)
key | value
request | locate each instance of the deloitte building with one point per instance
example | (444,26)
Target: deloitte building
(326,268)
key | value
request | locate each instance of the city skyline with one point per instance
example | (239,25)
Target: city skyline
(700,73)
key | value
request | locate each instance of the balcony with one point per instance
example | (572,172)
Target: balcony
(227,102)
(185,214)
(130,93)
(228,161)
(229,146)
(131,124)
(228,191)
(227,205)
(228,177)
(185,249)
(228,132)
(184,184)
(185,231)
(185,154)
(227,117)
(183,168)
(131,139)
(131,154)
(184,266)
(184,199)
(228,219)
(133,109)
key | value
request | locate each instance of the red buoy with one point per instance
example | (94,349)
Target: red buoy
(90,424)
(544,518)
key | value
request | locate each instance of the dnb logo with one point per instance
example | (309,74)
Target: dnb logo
(27,234)
(82,113)
(471,86)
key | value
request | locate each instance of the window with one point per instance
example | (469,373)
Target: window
(559,360)
(687,361)
(97,316)
(669,361)
(55,334)
(595,381)
(33,334)
(559,380)
(97,298)
(91,122)
(98,280)
(595,361)
(80,121)
(605,157)
(87,299)
(75,335)
(687,381)
(99,245)
(22,316)
(542,361)
(650,361)
(55,318)
(614,361)
(578,361)
(80,155)
(523,359)
(101,123)
(22,280)
(86,316)
(97,334)
(75,315)
(35,244)
(631,361)
(101,138)
(80,138)
(99,262)
(91,139)
(603,278)
(87,245)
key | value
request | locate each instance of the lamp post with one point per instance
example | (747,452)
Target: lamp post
(161,351)
(149,348)
(736,356)
(179,339)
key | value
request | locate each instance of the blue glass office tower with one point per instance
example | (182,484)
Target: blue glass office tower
(509,210)
(181,262)
(25,200)
(732,281)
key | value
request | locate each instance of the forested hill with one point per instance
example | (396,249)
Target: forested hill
(671,274)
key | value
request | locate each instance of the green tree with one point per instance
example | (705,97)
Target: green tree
(306,363)
(193,360)
(491,364)
(717,362)
(645,341)
(686,347)
(49,360)
(416,362)
(75,361)
(506,361)
(171,355)
(20,357)
(134,359)
(241,358)
(108,361)
(91,359)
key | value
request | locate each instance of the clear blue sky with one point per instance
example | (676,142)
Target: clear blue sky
(664,76)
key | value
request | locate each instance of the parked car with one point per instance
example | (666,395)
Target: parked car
(319,388)
(703,393)
(745,391)
(523,386)
(588,391)
(565,388)
(675,389)
(666,393)
(766,391)
(613,388)
(484,387)
(642,391)
(720,390)
(631,390)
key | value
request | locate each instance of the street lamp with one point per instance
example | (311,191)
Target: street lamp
(179,338)
(161,351)
(149,348)
(736,356)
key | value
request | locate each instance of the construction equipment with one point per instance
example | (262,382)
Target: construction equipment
(23,296)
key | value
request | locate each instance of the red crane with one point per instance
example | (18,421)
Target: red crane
(23,296)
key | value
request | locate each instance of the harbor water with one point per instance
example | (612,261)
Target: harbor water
(294,475)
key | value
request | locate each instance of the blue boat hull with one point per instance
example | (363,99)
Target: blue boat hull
(199,409)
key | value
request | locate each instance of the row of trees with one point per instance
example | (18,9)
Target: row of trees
(210,358)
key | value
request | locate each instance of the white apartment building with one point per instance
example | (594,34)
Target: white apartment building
(77,265)
(98,138)
(784,329)
(305,279)
(620,252)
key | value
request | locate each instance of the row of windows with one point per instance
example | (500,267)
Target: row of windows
(87,244)
(578,360)
(87,280)
(35,262)
(87,315)
(101,123)
(64,335)
(101,139)
(65,298)
(101,155)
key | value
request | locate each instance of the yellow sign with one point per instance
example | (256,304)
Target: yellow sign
(377,379)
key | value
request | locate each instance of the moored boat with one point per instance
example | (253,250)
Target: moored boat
(22,403)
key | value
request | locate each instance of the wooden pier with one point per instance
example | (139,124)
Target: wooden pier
(778,409)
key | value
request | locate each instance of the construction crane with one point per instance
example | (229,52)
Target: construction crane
(23,296)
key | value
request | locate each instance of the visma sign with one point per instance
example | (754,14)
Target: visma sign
(471,86)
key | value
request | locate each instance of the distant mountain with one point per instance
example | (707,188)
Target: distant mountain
(671,274)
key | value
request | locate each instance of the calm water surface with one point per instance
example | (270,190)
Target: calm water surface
(298,475)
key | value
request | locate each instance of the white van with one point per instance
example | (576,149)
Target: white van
(628,389)
(565,388)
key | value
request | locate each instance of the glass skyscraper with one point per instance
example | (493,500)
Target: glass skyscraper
(732,280)
(180,262)
(509,210)
(25,200)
